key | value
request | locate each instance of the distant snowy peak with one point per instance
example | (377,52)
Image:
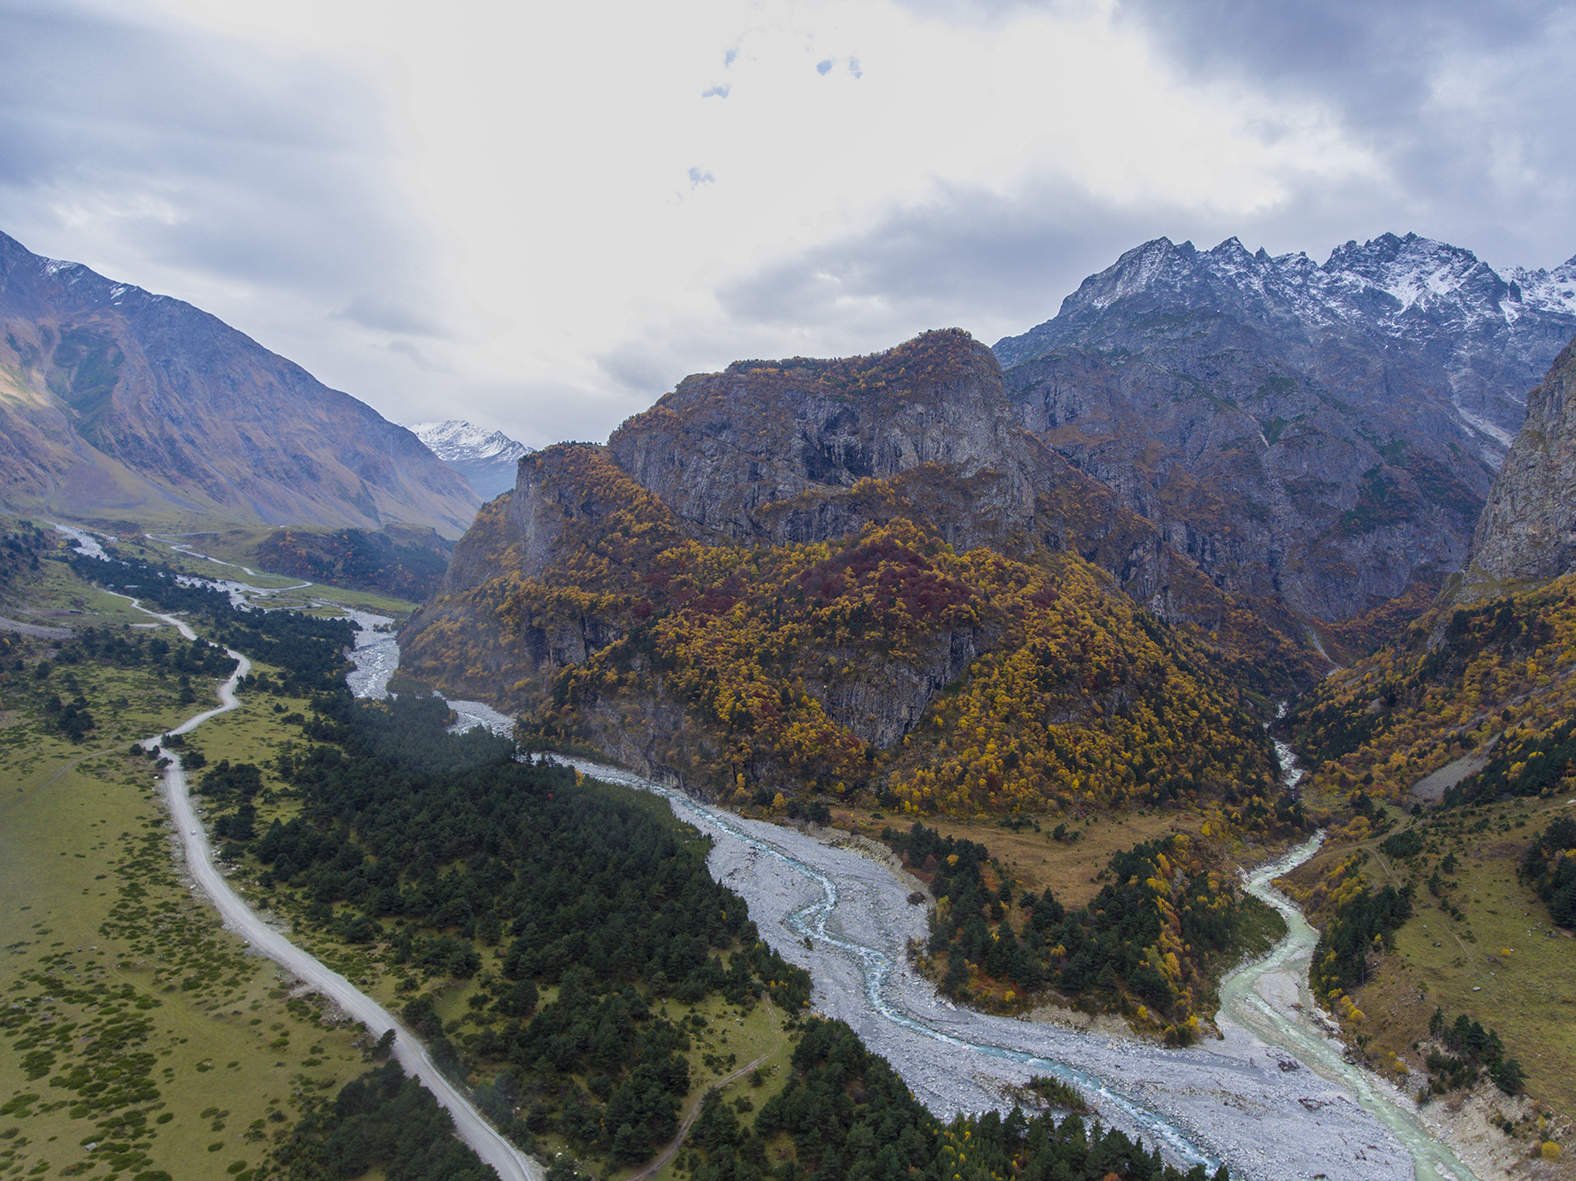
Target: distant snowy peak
(487,459)
(455,440)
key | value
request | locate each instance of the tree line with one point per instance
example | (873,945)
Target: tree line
(1549,867)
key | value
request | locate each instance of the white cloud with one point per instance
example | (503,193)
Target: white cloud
(570,275)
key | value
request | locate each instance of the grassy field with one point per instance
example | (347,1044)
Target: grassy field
(1502,962)
(57,598)
(140,1037)
(729,1039)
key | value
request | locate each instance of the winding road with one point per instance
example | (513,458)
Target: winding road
(470,1125)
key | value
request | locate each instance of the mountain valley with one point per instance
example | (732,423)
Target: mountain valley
(1026,628)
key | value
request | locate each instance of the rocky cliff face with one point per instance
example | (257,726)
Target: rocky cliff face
(801,566)
(801,451)
(776,451)
(1527,533)
(115,403)
(1322,435)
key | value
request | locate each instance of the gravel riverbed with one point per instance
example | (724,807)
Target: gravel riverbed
(1238,1099)
(1272,1097)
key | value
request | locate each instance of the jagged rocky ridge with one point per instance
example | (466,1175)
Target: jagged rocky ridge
(1527,533)
(1325,435)
(487,459)
(119,404)
(812,573)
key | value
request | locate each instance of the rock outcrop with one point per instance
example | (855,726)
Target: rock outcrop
(1527,533)
(776,451)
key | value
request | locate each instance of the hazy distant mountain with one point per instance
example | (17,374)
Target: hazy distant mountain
(119,404)
(1325,433)
(487,459)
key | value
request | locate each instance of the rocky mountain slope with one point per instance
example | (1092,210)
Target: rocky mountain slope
(119,404)
(487,459)
(1322,434)
(1492,660)
(835,575)
(1527,533)
(1448,761)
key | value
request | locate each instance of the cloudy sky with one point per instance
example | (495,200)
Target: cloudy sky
(541,217)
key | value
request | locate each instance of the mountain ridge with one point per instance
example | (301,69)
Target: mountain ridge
(1321,434)
(117,403)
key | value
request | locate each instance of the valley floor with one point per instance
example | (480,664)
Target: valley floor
(137,1034)
(847,919)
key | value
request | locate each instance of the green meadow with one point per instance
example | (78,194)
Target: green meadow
(138,1038)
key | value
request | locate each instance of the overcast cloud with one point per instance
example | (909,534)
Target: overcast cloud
(542,220)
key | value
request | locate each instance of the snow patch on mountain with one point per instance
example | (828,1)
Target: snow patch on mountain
(1386,282)
(1553,291)
(487,459)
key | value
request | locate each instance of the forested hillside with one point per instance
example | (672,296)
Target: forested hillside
(902,613)
(405,562)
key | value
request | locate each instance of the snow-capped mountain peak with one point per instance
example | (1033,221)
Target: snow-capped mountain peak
(1359,404)
(1391,283)
(455,439)
(485,458)
(1415,270)
(1404,303)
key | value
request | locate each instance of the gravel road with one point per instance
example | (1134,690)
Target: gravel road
(507,1161)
